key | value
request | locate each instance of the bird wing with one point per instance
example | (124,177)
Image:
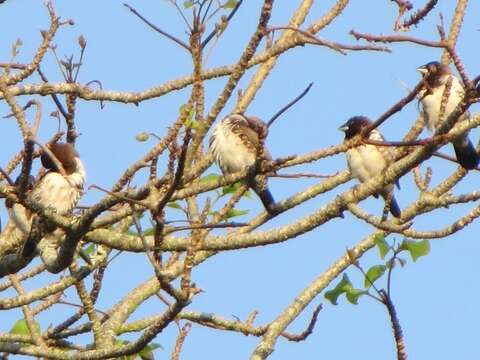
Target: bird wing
(242,128)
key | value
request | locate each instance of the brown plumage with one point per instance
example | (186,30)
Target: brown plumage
(236,144)
(60,192)
(436,76)
(367,161)
(53,190)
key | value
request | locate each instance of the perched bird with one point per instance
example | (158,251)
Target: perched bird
(367,161)
(236,144)
(436,76)
(58,191)
(54,190)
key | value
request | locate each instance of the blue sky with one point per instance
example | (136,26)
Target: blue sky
(435,297)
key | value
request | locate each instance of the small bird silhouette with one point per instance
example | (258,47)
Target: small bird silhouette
(367,161)
(237,145)
(436,76)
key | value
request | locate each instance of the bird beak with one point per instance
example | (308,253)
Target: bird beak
(422,70)
(343,128)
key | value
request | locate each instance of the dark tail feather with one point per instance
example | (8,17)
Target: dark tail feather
(267,201)
(36,234)
(259,185)
(392,204)
(394,208)
(466,154)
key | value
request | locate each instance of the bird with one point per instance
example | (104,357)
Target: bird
(436,76)
(237,145)
(58,191)
(367,161)
(54,190)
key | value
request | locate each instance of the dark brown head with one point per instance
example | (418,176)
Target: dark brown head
(258,126)
(65,153)
(354,126)
(434,72)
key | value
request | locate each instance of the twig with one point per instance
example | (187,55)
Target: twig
(450,158)
(420,14)
(316,40)
(54,96)
(119,196)
(304,334)
(421,142)
(167,35)
(27,312)
(80,306)
(52,157)
(206,226)
(396,38)
(300,175)
(290,104)
(403,4)
(395,108)
(397,329)
(229,17)
(7,177)
(47,38)
(13,66)
(180,340)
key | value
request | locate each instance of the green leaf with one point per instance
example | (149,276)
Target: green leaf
(230,4)
(174,205)
(89,249)
(332,295)
(209,177)
(344,287)
(147,351)
(373,274)
(149,232)
(416,248)
(21,327)
(194,124)
(235,212)
(119,343)
(382,245)
(141,137)
(353,295)
(187,4)
(188,111)
(230,189)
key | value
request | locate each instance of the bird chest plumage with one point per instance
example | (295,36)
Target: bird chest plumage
(60,192)
(431,102)
(231,151)
(367,161)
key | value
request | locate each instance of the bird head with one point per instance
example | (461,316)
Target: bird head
(433,71)
(65,153)
(354,126)
(258,126)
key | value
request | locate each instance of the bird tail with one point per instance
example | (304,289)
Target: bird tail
(466,154)
(36,233)
(259,185)
(392,204)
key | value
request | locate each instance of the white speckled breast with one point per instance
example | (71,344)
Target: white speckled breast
(60,192)
(432,102)
(228,149)
(367,161)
